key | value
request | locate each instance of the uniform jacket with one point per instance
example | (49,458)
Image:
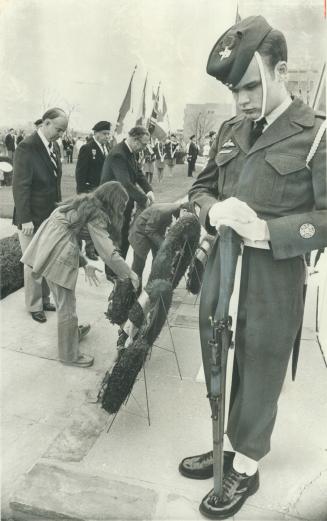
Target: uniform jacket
(54,251)
(36,188)
(121,165)
(171,148)
(272,178)
(159,150)
(192,152)
(150,227)
(89,167)
(10,142)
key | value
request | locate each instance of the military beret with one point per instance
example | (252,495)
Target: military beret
(102,125)
(212,133)
(193,136)
(38,122)
(233,52)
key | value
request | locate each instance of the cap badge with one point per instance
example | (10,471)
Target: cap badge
(307,231)
(225,53)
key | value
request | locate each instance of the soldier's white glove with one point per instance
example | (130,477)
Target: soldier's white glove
(231,209)
(256,230)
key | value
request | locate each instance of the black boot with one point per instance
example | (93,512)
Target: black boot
(236,489)
(201,466)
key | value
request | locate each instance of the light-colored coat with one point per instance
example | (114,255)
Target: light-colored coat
(54,251)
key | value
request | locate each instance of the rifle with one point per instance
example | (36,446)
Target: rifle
(229,250)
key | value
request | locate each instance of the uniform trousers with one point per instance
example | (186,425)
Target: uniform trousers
(37,291)
(67,322)
(269,316)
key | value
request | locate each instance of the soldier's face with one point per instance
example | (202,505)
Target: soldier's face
(248,92)
(102,136)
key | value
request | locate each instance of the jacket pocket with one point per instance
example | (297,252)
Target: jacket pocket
(228,167)
(281,180)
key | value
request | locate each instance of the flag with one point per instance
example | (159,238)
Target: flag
(125,106)
(141,119)
(156,130)
(161,115)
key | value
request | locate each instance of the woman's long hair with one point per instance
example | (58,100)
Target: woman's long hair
(106,203)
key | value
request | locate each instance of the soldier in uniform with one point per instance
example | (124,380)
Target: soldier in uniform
(266,181)
(89,165)
(171,147)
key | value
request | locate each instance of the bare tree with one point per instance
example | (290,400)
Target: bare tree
(200,123)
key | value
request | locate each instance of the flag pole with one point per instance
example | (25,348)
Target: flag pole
(126,101)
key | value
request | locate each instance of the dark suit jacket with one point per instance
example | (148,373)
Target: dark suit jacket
(192,152)
(36,188)
(10,142)
(88,167)
(121,165)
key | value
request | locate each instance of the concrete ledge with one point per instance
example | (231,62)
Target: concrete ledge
(51,492)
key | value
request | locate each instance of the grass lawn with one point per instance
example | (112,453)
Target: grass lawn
(170,189)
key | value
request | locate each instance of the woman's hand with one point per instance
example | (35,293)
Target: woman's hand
(134,280)
(90,275)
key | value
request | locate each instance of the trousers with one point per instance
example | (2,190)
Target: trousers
(37,292)
(269,316)
(67,322)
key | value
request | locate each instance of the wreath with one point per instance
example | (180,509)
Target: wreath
(148,313)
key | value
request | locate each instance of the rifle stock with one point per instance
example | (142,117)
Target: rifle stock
(229,250)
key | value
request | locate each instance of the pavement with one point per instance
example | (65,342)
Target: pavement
(59,462)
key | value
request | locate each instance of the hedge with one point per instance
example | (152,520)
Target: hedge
(11,269)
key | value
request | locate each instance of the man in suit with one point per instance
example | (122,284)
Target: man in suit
(36,190)
(89,167)
(266,179)
(121,165)
(192,154)
(10,142)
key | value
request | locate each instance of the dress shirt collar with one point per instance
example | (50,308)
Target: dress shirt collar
(278,111)
(99,145)
(129,148)
(44,140)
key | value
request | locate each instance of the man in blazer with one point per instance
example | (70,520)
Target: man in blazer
(121,165)
(36,190)
(266,179)
(192,154)
(89,167)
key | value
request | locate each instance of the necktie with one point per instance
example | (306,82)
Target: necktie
(104,150)
(257,129)
(54,160)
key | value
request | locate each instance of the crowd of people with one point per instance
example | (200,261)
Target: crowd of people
(265,178)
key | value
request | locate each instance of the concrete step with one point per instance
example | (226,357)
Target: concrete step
(50,492)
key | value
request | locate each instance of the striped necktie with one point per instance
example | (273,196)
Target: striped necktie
(54,159)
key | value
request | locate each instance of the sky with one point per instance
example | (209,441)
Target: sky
(80,53)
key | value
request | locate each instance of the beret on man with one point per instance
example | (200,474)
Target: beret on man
(102,125)
(38,122)
(212,133)
(233,52)
(192,137)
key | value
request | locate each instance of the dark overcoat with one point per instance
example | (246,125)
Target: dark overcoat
(273,179)
(150,226)
(89,167)
(36,187)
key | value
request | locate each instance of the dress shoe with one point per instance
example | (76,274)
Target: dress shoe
(82,361)
(91,255)
(49,307)
(83,331)
(236,489)
(39,316)
(201,466)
